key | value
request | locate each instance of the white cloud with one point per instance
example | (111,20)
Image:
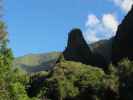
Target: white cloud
(100,28)
(92,20)
(110,22)
(106,26)
(90,36)
(125,5)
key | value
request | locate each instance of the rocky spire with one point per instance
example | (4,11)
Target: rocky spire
(78,50)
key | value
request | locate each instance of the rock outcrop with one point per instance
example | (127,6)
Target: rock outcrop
(78,50)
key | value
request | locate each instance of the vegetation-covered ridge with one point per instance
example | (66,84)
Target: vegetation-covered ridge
(36,62)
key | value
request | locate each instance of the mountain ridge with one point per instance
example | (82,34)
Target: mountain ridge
(36,62)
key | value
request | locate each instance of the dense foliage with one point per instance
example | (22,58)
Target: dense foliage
(75,81)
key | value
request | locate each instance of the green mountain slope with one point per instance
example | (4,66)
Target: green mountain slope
(36,62)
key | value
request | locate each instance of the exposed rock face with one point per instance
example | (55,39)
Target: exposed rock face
(123,41)
(78,50)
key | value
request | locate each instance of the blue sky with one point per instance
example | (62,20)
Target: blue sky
(39,26)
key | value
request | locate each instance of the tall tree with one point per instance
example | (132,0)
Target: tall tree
(12,81)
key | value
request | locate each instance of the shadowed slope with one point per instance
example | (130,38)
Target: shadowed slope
(123,41)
